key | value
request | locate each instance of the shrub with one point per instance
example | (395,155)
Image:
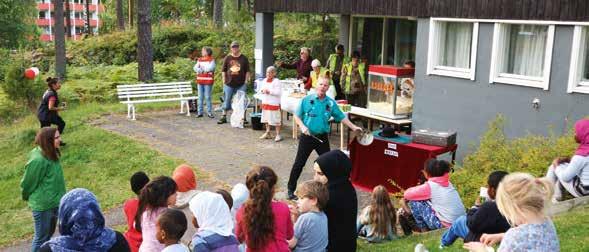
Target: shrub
(19,89)
(531,154)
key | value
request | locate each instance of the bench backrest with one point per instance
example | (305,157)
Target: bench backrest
(154,90)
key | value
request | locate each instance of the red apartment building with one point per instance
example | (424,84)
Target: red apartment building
(46,22)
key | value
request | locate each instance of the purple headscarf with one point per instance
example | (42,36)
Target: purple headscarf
(81,224)
(582,135)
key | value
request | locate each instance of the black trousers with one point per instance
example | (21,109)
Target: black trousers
(306,145)
(338,88)
(54,120)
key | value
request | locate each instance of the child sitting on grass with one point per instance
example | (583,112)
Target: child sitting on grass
(262,223)
(377,222)
(434,204)
(480,219)
(171,226)
(212,219)
(133,237)
(523,200)
(310,229)
(154,199)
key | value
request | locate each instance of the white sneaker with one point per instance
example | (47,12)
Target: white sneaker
(278,138)
(420,248)
(265,136)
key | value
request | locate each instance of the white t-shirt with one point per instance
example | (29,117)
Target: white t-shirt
(176,248)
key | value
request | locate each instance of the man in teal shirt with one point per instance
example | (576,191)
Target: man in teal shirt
(312,117)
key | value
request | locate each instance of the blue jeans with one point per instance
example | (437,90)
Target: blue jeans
(204,92)
(424,215)
(45,222)
(228,93)
(458,229)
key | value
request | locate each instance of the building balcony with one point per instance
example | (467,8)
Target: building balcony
(74,22)
(73,7)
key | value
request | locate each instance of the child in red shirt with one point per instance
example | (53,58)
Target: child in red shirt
(133,237)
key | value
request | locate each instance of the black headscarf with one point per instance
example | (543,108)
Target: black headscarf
(342,207)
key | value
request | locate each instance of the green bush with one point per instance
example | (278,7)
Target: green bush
(531,154)
(19,89)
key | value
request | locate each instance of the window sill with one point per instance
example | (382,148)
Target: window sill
(580,89)
(527,82)
(461,73)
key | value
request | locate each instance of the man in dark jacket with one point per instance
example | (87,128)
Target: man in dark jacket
(480,219)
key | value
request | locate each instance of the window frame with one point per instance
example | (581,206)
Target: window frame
(575,85)
(495,76)
(456,72)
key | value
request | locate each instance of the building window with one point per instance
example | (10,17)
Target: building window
(579,69)
(41,15)
(452,48)
(522,54)
(383,41)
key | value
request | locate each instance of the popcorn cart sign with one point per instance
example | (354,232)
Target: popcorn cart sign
(390,92)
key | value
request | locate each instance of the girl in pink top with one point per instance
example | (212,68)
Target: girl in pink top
(435,203)
(154,199)
(263,224)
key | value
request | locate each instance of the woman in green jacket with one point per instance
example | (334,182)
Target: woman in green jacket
(43,185)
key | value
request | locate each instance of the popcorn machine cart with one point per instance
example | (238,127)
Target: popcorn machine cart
(390,91)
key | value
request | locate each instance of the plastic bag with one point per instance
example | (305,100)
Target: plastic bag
(238,104)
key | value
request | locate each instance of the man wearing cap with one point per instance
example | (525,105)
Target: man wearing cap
(235,74)
(313,116)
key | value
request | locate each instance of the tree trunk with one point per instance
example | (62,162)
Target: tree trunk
(59,40)
(120,16)
(238,5)
(88,14)
(218,13)
(131,13)
(144,47)
(68,19)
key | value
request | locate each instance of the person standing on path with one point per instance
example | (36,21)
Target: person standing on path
(47,111)
(205,72)
(312,117)
(43,184)
(303,65)
(236,74)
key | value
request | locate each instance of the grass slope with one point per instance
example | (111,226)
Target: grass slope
(94,159)
(572,229)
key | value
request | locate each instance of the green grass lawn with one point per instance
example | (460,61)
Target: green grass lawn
(94,158)
(572,229)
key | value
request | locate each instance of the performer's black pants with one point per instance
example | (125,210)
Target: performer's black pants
(306,145)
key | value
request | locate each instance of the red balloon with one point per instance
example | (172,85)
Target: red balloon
(30,74)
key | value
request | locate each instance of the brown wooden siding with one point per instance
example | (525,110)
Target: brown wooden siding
(561,10)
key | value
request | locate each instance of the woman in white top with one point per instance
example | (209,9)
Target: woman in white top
(271,113)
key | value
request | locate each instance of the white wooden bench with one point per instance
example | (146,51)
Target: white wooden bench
(155,92)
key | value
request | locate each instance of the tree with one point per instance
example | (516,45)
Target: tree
(218,13)
(144,46)
(59,40)
(17,23)
(88,27)
(131,8)
(120,16)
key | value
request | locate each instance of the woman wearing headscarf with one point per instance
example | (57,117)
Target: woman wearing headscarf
(573,173)
(213,222)
(81,225)
(333,168)
(186,181)
(43,184)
